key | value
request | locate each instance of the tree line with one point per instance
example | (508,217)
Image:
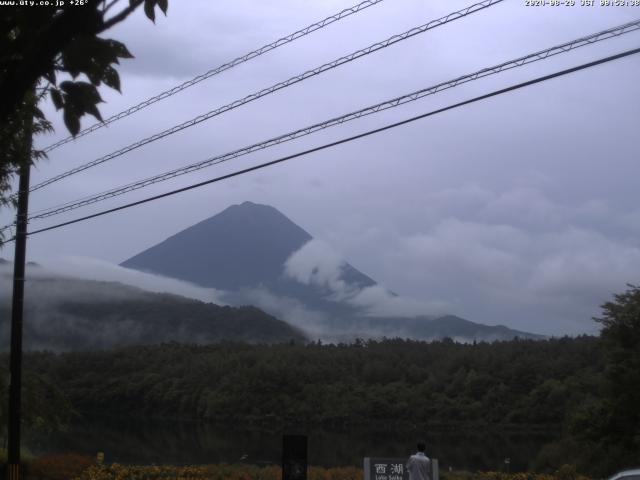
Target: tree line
(390,381)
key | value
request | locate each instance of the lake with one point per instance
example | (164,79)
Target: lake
(140,441)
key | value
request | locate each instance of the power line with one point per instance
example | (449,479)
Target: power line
(348,139)
(278,86)
(226,66)
(525,60)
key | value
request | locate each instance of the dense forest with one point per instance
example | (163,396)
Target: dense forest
(521,384)
(507,383)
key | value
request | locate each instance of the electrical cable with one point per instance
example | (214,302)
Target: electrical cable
(525,60)
(278,86)
(226,66)
(346,140)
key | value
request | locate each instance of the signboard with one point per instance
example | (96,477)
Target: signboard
(387,468)
(294,457)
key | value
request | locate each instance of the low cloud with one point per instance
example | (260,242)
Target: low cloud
(317,263)
(318,325)
(377,301)
(519,257)
(312,322)
(94,269)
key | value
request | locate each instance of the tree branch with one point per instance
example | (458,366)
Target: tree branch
(52,38)
(108,7)
(120,16)
(38,56)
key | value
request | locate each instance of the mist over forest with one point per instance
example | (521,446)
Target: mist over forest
(73,313)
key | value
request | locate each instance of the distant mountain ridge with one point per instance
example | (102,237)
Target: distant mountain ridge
(447,326)
(245,249)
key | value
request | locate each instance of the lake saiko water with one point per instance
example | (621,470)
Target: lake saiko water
(136,441)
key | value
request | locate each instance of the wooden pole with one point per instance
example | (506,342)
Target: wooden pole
(15,361)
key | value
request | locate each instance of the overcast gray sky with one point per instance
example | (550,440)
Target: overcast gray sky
(521,210)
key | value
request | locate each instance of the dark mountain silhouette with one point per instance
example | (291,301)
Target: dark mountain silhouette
(243,251)
(243,247)
(447,326)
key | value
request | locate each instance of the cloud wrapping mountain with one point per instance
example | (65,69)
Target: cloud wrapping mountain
(257,255)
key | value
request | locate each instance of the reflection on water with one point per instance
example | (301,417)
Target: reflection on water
(135,441)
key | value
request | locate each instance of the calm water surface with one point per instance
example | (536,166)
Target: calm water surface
(136,441)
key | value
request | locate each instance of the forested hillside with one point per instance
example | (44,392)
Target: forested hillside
(393,381)
(64,313)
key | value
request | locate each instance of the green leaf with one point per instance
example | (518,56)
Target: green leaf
(93,56)
(149,10)
(80,98)
(51,76)
(93,110)
(163,4)
(81,92)
(56,98)
(68,86)
(76,58)
(120,49)
(37,114)
(111,78)
(94,77)
(90,93)
(72,121)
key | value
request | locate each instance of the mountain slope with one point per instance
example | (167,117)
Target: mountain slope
(72,314)
(243,246)
(241,249)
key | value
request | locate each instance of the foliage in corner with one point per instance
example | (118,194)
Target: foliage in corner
(608,421)
(57,51)
(45,408)
(621,339)
(15,142)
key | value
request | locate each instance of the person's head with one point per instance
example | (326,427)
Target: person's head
(422,446)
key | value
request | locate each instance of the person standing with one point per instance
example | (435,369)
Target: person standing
(419,465)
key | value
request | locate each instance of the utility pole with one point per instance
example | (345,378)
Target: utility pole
(15,361)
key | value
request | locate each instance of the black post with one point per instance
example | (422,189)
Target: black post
(294,457)
(15,362)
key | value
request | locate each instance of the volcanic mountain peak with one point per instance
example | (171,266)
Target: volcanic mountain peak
(242,246)
(258,256)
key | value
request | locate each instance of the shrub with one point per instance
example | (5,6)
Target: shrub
(58,466)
